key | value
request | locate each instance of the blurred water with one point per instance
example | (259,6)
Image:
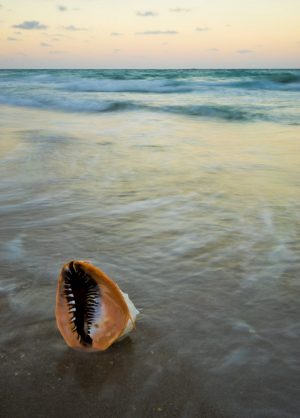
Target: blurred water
(197,220)
(226,95)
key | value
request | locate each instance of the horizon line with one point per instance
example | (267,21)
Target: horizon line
(150,68)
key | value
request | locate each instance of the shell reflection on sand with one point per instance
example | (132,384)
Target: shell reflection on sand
(91,310)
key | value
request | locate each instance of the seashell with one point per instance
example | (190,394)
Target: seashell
(92,312)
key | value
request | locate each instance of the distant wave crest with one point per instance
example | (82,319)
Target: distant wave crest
(135,86)
(285,78)
(152,81)
(265,81)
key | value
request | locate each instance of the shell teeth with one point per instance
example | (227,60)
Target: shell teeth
(79,288)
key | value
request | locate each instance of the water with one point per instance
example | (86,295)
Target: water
(237,95)
(184,187)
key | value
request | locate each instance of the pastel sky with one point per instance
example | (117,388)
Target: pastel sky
(150,34)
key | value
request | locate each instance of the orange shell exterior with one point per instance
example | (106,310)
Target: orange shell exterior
(114,311)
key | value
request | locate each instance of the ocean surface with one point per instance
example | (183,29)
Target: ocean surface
(231,95)
(184,187)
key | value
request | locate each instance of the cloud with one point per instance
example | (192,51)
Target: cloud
(202,29)
(10,38)
(147,13)
(73,28)
(30,24)
(116,34)
(244,51)
(179,10)
(62,8)
(157,32)
(45,45)
(213,49)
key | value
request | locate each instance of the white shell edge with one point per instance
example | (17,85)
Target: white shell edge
(133,314)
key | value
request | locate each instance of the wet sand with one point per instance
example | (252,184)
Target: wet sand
(42,377)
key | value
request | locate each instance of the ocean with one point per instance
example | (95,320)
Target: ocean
(230,95)
(184,187)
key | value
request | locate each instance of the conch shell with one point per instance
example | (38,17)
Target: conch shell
(92,312)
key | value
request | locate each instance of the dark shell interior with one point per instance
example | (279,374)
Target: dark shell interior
(82,294)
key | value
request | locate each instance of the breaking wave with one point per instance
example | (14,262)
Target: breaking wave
(223,112)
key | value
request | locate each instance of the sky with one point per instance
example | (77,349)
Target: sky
(150,34)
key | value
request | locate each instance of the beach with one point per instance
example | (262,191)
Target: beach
(183,187)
